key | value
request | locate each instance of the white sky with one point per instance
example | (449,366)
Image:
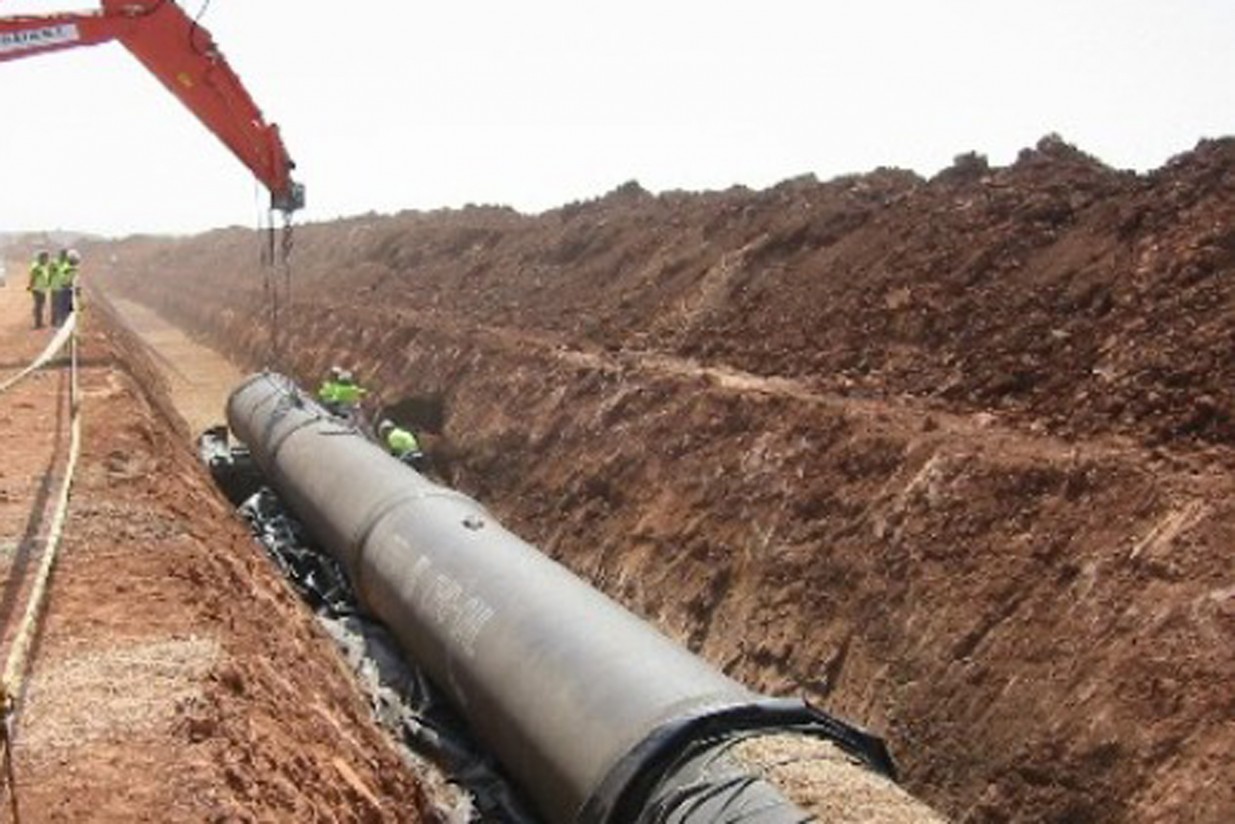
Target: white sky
(396,104)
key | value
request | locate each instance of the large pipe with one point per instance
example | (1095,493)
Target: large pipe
(584,704)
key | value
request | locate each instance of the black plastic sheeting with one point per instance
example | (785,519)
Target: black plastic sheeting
(231,466)
(316,576)
(406,702)
(403,700)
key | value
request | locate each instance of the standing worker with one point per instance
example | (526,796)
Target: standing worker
(402,444)
(64,281)
(40,285)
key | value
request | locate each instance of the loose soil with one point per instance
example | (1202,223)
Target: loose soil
(949,457)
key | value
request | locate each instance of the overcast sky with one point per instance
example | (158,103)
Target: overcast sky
(389,105)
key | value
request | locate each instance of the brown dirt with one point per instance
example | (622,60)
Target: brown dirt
(198,379)
(949,457)
(175,678)
(821,779)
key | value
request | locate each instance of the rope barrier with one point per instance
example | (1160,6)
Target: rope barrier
(12,681)
(63,334)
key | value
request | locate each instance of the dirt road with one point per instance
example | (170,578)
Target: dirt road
(198,378)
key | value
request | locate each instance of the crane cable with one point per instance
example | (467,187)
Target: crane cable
(275,259)
(275,262)
(12,681)
(197,20)
(286,241)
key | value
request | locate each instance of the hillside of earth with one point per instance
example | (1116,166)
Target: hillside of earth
(950,457)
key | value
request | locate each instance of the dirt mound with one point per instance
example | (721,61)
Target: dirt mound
(950,456)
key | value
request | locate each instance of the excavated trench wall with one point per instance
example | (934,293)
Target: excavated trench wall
(775,424)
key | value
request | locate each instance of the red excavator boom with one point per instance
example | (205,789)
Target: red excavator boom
(186,60)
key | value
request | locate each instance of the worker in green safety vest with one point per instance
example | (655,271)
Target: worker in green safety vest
(63,285)
(40,285)
(402,444)
(341,395)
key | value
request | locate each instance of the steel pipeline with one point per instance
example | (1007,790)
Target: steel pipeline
(586,705)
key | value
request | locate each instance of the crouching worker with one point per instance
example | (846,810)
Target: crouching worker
(402,444)
(341,395)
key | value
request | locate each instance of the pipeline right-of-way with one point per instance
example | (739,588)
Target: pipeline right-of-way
(594,713)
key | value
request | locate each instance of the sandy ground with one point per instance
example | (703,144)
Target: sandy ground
(198,378)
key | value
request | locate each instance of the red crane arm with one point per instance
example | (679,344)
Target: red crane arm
(185,59)
(26,35)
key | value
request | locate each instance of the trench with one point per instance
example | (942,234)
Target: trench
(403,698)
